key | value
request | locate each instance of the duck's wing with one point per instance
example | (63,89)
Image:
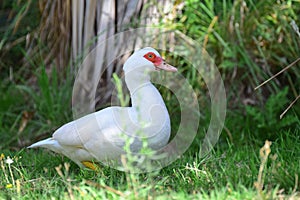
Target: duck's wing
(98,133)
(77,132)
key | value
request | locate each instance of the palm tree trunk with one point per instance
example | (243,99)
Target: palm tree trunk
(72,29)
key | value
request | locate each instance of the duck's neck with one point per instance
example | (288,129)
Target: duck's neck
(145,98)
(136,80)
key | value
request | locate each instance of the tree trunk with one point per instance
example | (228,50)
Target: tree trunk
(93,22)
(71,29)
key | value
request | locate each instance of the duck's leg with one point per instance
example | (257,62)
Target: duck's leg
(91,165)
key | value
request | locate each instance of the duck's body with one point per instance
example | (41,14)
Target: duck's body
(101,136)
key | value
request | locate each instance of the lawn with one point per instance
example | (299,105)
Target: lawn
(232,171)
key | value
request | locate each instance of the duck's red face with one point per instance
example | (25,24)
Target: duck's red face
(158,62)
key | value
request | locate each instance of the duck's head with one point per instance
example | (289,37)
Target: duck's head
(147,60)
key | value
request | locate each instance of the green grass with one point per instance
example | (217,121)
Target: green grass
(228,173)
(48,105)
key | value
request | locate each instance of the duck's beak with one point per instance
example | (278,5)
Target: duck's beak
(165,66)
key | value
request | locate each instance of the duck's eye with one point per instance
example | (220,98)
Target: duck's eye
(150,56)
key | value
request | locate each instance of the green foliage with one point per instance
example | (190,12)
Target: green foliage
(123,98)
(49,103)
(249,40)
(10,113)
(51,100)
(17,20)
(266,120)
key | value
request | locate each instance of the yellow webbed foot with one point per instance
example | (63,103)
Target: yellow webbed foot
(91,165)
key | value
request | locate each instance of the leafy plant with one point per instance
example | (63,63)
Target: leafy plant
(27,112)
(248,41)
(17,20)
(266,120)
(51,100)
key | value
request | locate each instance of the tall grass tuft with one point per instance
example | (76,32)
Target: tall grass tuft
(248,40)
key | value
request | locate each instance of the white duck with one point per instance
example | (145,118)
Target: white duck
(100,136)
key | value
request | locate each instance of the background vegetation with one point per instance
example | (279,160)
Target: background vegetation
(249,40)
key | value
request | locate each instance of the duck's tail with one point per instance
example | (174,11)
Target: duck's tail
(49,143)
(43,143)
